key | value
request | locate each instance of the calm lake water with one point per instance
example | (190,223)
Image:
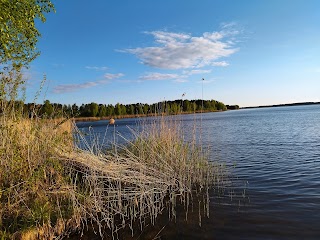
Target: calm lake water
(273,155)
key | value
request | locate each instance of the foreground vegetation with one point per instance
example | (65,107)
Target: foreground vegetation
(50,188)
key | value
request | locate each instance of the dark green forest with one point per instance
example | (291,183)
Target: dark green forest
(56,110)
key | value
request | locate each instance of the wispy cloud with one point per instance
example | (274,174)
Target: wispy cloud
(113,75)
(183,51)
(220,64)
(64,88)
(196,71)
(159,76)
(228,25)
(96,68)
(129,81)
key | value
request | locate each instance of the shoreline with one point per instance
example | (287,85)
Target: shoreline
(94,119)
(284,105)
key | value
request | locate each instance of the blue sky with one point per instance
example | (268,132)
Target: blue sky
(248,52)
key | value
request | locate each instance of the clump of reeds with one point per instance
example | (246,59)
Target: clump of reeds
(136,181)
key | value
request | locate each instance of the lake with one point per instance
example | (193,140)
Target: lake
(273,155)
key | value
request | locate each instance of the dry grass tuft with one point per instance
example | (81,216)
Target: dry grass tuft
(135,182)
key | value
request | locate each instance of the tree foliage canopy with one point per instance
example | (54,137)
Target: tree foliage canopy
(18,33)
(57,110)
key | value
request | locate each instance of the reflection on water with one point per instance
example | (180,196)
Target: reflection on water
(274,157)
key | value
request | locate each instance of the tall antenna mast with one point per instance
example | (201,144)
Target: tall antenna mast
(201,115)
(202,94)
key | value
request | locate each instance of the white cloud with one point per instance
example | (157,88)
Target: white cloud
(113,75)
(196,71)
(227,25)
(63,88)
(128,81)
(96,68)
(213,35)
(159,76)
(165,37)
(103,81)
(220,64)
(182,51)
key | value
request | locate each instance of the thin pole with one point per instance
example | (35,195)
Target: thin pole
(202,94)
(182,101)
(201,116)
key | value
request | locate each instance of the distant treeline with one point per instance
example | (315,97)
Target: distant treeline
(53,110)
(285,105)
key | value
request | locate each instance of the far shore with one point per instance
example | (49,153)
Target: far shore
(92,119)
(283,105)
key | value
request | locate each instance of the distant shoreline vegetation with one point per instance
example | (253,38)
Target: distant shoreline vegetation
(284,105)
(95,111)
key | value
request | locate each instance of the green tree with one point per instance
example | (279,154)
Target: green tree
(213,105)
(187,107)
(118,109)
(18,33)
(168,108)
(110,110)
(145,108)
(220,106)
(102,110)
(67,110)
(174,108)
(47,109)
(57,109)
(94,109)
(130,109)
(194,106)
(207,105)
(123,109)
(75,110)
(139,108)
(84,110)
